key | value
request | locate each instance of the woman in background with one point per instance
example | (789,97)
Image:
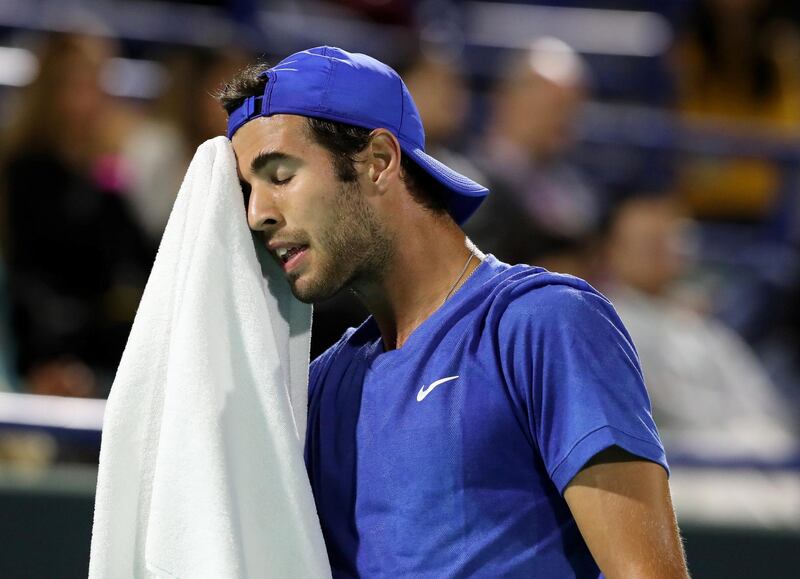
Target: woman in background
(77,260)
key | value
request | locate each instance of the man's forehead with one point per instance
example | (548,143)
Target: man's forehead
(286,134)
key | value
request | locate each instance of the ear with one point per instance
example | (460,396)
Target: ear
(383,158)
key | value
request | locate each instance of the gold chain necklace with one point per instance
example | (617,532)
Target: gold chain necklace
(463,271)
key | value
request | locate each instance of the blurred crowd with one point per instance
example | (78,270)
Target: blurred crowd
(690,228)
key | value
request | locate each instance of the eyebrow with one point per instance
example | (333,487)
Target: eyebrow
(264,159)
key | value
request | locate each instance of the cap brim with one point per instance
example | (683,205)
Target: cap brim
(467,195)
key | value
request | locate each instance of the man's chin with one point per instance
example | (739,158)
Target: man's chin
(300,291)
(311,293)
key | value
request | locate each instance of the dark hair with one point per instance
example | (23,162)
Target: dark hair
(341,140)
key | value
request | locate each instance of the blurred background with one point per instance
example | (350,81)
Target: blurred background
(652,148)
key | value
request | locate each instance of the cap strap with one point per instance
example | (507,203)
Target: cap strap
(249,109)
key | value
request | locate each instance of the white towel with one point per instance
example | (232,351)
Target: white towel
(201,465)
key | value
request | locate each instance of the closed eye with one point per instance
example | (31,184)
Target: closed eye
(275,181)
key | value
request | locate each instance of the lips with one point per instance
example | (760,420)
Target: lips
(290,255)
(286,253)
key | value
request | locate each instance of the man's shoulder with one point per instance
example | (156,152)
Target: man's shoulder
(352,338)
(527,291)
(530,306)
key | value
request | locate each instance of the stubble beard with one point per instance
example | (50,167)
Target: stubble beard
(352,248)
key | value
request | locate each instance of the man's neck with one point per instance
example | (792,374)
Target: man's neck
(429,263)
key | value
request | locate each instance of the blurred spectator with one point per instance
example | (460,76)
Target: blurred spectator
(542,209)
(436,81)
(737,61)
(157,149)
(192,72)
(710,393)
(77,259)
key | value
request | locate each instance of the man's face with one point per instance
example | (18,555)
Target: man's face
(322,231)
(647,247)
(547,112)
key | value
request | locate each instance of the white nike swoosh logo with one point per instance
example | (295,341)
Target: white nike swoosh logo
(423,392)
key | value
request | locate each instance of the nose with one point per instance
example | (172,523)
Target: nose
(262,212)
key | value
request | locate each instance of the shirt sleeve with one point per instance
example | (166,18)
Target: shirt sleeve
(573,366)
(320,365)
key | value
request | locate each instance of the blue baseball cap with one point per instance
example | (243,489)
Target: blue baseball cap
(330,83)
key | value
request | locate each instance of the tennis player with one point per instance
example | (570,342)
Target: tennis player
(486,420)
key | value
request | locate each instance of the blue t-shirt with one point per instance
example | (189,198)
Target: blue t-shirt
(449,456)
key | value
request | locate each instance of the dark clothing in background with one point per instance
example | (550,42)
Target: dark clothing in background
(535,214)
(77,263)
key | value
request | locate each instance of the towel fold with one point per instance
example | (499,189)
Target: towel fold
(201,465)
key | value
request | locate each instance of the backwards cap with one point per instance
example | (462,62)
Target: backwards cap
(330,83)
